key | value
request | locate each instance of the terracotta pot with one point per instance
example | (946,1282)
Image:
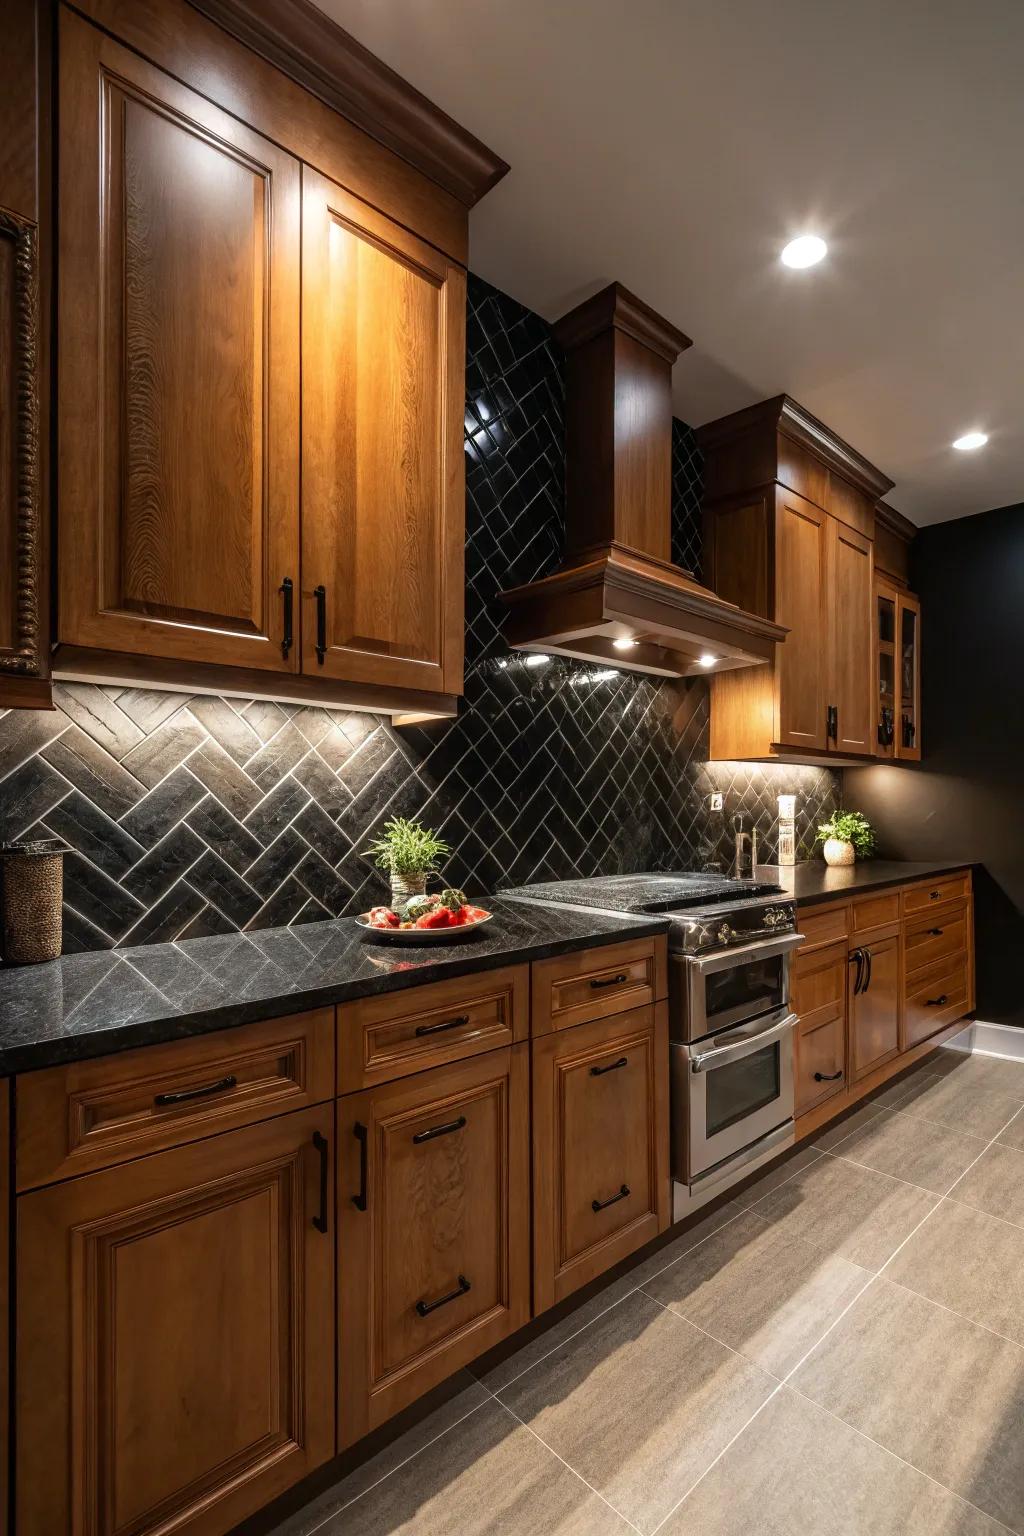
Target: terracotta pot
(838,853)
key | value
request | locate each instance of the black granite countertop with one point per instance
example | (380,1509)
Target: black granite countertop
(815,881)
(110,1000)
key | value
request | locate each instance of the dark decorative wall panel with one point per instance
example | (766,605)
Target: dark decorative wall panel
(200,815)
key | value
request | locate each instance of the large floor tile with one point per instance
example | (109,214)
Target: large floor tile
(940,1392)
(993,1073)
(755,1288)
(945,1100)
(639,1404)
(1012,1134)
(971,1262)
(853,1212)
(796,1471)
(828,1139)
(996,1183)
(488,1477)
(931,1156)
(778,1173)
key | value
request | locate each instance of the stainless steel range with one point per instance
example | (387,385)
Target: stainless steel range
(730,1021)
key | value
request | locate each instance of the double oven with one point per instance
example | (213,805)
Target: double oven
(731,1031)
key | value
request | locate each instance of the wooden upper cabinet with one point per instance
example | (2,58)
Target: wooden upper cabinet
(802,540)
(179,367)
(175,1329)
(383,490)
(850,640)
(908,678)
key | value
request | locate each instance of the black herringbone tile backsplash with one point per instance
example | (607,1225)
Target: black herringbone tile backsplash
(190,816)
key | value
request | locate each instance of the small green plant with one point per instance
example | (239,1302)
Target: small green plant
(408,848)
(850,827)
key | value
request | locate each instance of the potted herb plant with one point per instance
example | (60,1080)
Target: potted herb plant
(846,836)
(408,852)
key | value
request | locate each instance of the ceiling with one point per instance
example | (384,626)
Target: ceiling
(676,145)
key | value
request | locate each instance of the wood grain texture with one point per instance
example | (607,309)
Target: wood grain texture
(383,487)
(382,1038)
(822,924)
(850,631)
(935,936)
(179,403)
(19,114)
(880,910)
(874,1015)
(439,1210)
(93,1114)
(801,604)
(595,983)
(193,1424)
(935,996)
(598,1128)
(927,895)
(819,997)
(24,648)
(199,53)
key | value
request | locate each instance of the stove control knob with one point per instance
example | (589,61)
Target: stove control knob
(725,933)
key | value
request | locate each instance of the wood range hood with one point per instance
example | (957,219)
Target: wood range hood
(618,581)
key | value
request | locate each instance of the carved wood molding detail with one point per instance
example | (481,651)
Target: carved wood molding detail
(24,388)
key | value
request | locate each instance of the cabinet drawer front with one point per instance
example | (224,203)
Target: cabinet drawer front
(820,1063)
(935,937)
(935,997)
(822,927)
(93,1114)
(380,1038)
(595,983)
(920,898)
(819,984)
(870,912)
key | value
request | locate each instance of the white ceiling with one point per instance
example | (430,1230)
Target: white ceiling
(676,145)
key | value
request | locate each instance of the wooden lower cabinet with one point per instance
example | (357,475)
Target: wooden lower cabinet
(874,1004)
(600,1147)
(433,1229)
(819,997)
(175,1320)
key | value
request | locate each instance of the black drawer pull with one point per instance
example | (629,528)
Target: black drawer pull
(936,1002)
(184,1094)
(934,895)
(320,1142)
(936,933)
(439,1130)
(609,981)
(602,1205)
(435,1029)
(320,593)
(359,1132)
(287,590)
(424,1308)
(828,1077)
(613,1066)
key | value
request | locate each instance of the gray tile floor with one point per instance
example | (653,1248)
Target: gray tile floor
(838,1350)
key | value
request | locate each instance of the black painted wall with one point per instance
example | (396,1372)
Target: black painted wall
(191,816)
(966,799)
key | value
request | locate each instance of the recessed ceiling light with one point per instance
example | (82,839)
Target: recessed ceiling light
(625,644)
(707,660)
(804,251)
(970,441)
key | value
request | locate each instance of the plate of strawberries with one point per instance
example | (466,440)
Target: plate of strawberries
(441,918)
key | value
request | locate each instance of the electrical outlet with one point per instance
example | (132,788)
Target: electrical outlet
(718,801)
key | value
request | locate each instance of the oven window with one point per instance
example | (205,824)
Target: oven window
(744,991)
(741,1087)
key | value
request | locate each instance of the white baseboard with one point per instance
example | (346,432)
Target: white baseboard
(983,1039)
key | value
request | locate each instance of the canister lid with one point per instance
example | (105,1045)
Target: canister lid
(32,847)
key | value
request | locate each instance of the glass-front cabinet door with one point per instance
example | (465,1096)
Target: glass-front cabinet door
(908,665)
(886,606)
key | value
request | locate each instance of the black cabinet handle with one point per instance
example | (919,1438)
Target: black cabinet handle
(832,723)
(609,981)
(435,1029)
(602,1205)
(320,1142)
(871,966)
(439,1130)
(359,1132)
(320,593)
(936,1002)
(858,955)
(936,933)
(287,590)
(184,1094)
(424,1308)
(613,1066)
(828,1077)
(934,895)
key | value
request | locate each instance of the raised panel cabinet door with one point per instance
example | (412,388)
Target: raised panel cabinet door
(801,597)
(178,394)
(433,1229)
(874,1005)
(600,1147)
(851,641)
(383,479)
(819,998)
(175,1334)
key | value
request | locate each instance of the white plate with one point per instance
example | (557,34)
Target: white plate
(421,935)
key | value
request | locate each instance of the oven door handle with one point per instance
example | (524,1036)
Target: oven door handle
(762,949)
(737,1049)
